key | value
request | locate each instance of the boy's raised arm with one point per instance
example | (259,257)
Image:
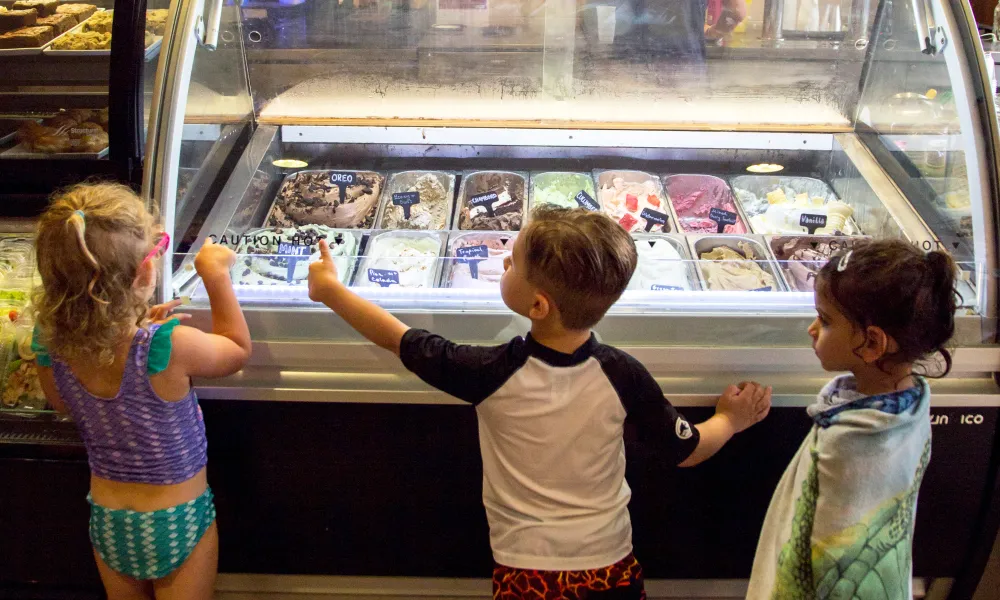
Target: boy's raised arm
(370,320)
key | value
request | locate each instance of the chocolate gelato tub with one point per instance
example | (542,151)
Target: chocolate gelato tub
(636,201)
(731,269)
(492,201)
(418,200)
(339,199)
(801,257)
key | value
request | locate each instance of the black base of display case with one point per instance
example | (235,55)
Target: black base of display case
(380,490)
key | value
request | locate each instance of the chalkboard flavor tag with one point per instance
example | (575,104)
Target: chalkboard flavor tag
(343,180)
(665,288)
(383,277)
(485,200)
(653,218)
(472,256)
(293,253)
(812,222)
(406,200)
(587,201)
(763,289)
(723,218)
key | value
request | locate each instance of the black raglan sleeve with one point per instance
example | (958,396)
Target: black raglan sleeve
(658,424)
(469,373)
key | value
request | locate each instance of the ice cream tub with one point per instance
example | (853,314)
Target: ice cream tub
(417,200)
(732,270)
(335,198)
(801,257)
(793,206)
(280,256)
(664,264)
(636,200)
(492,201)
(476,259)
(409,259)
(563,189)
(704,204)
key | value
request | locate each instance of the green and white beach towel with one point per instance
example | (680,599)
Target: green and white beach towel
(840,523)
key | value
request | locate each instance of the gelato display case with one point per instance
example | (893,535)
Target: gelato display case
(417,138)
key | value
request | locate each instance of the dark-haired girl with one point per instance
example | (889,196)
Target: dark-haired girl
(840,523)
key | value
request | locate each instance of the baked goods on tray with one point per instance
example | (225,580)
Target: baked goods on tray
(45,8)
(16,19)
(100,22)
(156,21)
(81,12)
(27,37)
(88,40)
(75,131)
(60,23)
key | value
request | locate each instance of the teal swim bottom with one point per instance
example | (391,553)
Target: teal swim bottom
(149,545)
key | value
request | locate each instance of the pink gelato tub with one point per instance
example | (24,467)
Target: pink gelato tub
(704,204)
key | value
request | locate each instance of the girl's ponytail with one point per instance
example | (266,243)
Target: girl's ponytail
(78,221)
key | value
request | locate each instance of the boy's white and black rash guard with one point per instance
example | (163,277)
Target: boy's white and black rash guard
(550,432)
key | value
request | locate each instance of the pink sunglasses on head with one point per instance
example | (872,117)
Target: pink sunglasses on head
(161,246)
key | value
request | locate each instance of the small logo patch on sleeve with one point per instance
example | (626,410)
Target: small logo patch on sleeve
(683,429)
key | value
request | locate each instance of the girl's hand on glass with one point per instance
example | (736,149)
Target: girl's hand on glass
(214,260)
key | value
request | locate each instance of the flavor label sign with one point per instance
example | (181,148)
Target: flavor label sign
(763,289)
(383,277)
(653,218)
(343,179)
(406,200)
(723,218)
(294,253)
(812,222)
(665,288)
(473,255)
(585,200)
(485,200)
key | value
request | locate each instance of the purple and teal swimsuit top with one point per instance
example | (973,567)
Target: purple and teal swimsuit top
(136,437)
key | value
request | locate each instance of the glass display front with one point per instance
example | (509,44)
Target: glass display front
(418,137)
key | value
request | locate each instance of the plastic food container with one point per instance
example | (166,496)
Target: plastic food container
(663,274)
(703,244)
(641,194)
(475,259)
(704,205)
(311,197)
(415,194)
(752,190)
(478,210)
(409,259)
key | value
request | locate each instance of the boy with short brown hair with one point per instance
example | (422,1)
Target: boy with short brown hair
(552,406)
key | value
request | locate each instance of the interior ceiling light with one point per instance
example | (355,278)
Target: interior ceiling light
(765,168)
(290,163)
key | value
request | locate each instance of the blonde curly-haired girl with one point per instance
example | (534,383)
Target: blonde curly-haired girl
(123,370)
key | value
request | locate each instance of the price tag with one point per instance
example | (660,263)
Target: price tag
(485,200)
(665,288)
(294,253)
(472,256)
(585,200)
(406,200)
(723,218)
(653,218)
(383,277)
(812,222)
(763,289)
(343,179)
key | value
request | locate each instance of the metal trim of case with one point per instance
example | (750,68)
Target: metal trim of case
(735,140)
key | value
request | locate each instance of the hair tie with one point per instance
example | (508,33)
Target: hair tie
(842,265)
(83,217)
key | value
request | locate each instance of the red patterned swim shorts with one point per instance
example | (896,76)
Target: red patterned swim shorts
(620,581)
